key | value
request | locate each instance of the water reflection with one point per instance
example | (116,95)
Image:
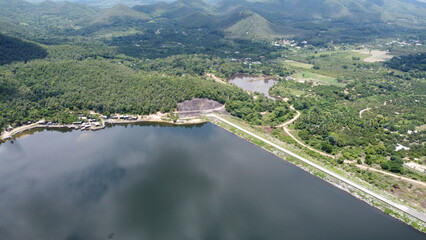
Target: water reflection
(253,83)
(156,182)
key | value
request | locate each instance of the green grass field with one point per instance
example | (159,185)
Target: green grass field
(345,54)
(316,78)
(298,64)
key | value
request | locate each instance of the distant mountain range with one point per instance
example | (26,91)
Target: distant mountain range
(241,19)
(266,19)
(110,3)
(131,3)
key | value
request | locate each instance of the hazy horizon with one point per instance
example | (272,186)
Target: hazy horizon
(107,3)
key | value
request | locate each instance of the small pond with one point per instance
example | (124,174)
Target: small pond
(253,83)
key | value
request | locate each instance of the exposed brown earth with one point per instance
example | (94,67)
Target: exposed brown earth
(216,78)
(199,106)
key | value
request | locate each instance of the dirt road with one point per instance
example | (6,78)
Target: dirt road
(216,78)
(367,168)
(362,111)
(287,131)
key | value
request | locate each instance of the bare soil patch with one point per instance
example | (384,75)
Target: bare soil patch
(374,55)
(199,106)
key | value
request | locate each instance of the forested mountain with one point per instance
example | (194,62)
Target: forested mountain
(332,19)
(119,14)
(348,10)
(110,3)
(252,26)
(14,49)
(47,88)
(337,20)
(175,9)
(47,20)
(47,12)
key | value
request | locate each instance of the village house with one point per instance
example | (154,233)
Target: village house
(401,147)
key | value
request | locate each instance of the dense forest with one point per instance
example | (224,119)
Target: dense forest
(47,89)
(413,62)
(14,49)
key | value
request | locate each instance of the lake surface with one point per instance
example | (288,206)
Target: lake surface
(245,81)
(157,182)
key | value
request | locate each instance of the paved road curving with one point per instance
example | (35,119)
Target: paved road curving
(405,209)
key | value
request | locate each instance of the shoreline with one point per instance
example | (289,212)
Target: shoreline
(9,135)
(401,212)
(397,211)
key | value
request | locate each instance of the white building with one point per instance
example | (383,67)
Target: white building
(401,147)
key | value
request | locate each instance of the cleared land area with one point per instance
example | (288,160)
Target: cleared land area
(421,128)
(198,106)
(374,55)
(298,64)
(316,78)
(216,78)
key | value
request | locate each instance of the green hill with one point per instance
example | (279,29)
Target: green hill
(11,29)
(176,9)
(268,19)
(51,87)
(119,14)
(47,12)
(14,49)
(317,21)
(197,20)
(252,26)
(46,20)
(399,11)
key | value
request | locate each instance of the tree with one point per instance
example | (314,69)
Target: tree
(327,147)
(396,164)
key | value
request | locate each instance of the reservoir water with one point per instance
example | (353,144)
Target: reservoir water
(253,83)
(161,182)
